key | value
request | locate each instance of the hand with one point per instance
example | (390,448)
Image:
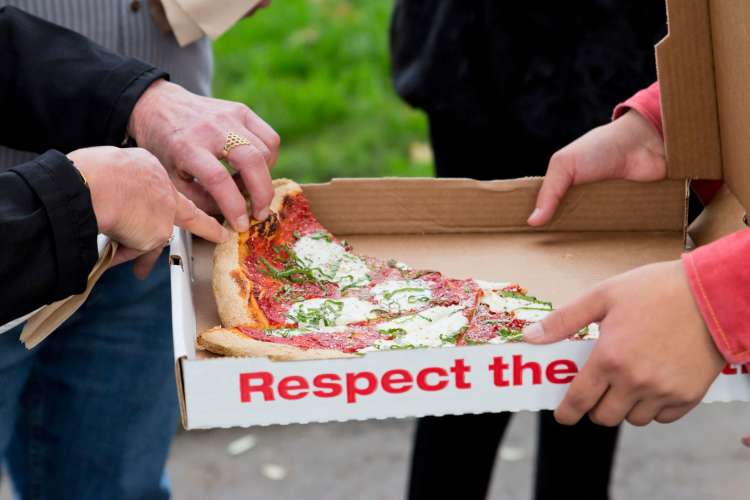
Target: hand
(627,148)
(136,204)
(654,359)
(187,133)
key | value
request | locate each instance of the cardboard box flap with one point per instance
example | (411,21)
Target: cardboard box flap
(704,74)
(685,63)
(435,206)
(730,29)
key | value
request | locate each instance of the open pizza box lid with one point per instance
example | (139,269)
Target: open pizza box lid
(464,228)
(704,75)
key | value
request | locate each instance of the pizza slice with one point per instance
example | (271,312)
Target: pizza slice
(289,289)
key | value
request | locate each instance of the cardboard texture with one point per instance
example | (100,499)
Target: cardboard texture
(704,74)
(469,228)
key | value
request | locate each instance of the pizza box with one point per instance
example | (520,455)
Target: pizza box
(467,228)
(463,228)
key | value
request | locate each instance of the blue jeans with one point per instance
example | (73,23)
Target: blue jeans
(89,414)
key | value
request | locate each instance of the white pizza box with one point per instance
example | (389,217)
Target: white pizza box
(463,228)
(476,229)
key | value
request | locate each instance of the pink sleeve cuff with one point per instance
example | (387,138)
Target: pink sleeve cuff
(646,103)
(719,277)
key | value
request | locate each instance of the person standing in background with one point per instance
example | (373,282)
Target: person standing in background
(505,86)
(90,413)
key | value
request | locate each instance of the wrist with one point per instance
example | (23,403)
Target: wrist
(139,117)
(87,170)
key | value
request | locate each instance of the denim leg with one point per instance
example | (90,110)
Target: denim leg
(15,366)
(99,409)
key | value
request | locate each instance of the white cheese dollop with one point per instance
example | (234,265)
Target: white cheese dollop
(429,328)
(317,313)
(402,295)
(329,261)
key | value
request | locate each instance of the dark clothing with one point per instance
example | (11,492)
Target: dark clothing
(532,76)
(505,85)
(58,91)
(572,462)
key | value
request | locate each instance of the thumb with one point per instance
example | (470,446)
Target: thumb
(560,176)
(567,321)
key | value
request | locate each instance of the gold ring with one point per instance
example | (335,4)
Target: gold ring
(233,140)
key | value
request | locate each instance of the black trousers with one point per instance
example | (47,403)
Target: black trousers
(453,456)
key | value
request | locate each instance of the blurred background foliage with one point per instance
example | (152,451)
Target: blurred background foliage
(318,72)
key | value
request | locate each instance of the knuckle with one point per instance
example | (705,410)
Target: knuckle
(215,177)
(638,380)
(639,420)
(604,418)
(577,403)
(687,396)
(610,361)
(240,109)
(274,140)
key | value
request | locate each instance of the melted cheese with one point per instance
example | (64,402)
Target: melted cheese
(432,327)
(401,295)
(524,309)
(316,313)
(330,261)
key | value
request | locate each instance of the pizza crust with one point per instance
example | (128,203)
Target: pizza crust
(228,342)
(232,289)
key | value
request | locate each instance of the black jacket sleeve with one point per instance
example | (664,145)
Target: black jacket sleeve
(58,90)
(48,234)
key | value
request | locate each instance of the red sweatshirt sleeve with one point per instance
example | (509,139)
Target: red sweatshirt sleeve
(719,277)
(719,274)
(647,103)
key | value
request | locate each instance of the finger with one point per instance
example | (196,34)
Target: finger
(746,441)
(559,178)
(584,393)
(190,217)
(143,265)
(568,320)
(644,412)
(613,407)
(251,165)
(124,254)
(198,194)
(265,133)
(217,181)
(672,413)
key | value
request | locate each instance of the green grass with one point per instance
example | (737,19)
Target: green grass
(318,72)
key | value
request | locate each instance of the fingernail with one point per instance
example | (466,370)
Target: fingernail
(534,215)
(242,223)
(533,332)
(263,214)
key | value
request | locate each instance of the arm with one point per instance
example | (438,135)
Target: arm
(719,280)
(657,322)
(49,234)
(62,91)
(49,219)
(647,103)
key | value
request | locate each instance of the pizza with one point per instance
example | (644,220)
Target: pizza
(288,289)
